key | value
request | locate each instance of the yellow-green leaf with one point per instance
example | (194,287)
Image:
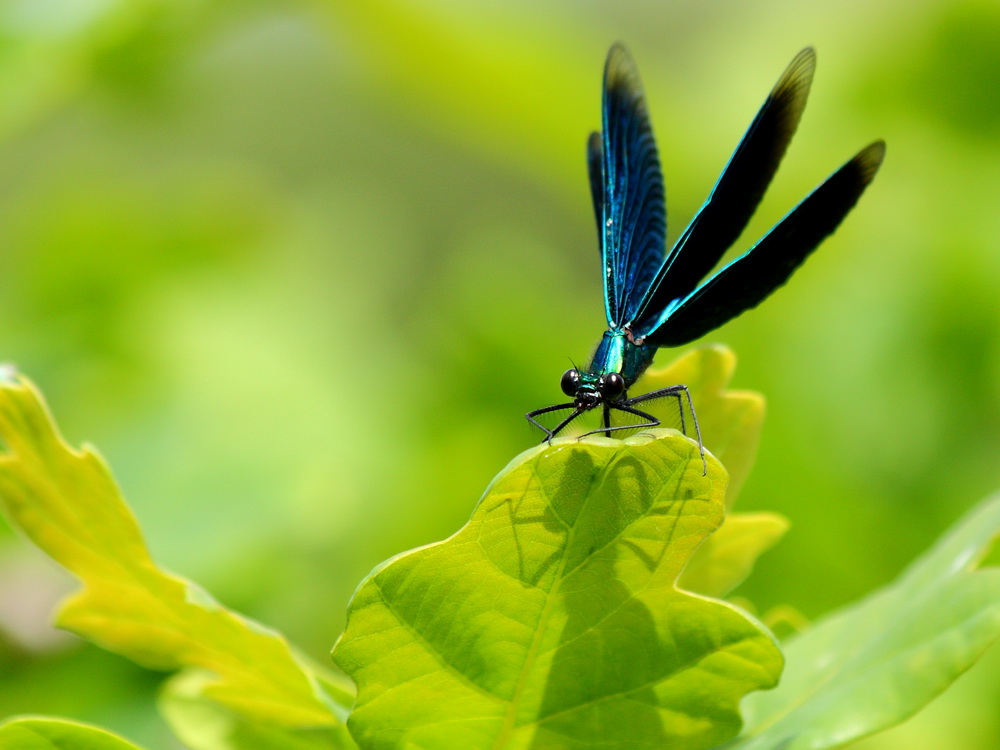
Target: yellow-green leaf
(203,724)
(67,502)
(552,619)
(38,733)
(727,557)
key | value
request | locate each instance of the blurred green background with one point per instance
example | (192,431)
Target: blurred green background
(299,268)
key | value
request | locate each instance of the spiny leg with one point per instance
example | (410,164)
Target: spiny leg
(697,430)
(607,420)
(558,428)
(675,392)
(652,421)
(680,410)
(549,434)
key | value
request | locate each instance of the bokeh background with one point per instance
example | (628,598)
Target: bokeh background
(298,269)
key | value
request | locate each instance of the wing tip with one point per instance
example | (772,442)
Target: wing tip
(618,47)
(621,73)
(868,160)
(618,58)
(807,53)
(798,75)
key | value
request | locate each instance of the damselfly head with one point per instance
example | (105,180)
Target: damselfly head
(589,390)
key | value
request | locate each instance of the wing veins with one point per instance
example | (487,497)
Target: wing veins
(736,194)
(752,277)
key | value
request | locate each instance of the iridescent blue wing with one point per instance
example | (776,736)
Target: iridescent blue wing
(633,224)
(749,279)
(595,170)
(733,200)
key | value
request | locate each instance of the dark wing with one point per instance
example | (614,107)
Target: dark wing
(749,279)
(726,212)
(595,170)
(634,218)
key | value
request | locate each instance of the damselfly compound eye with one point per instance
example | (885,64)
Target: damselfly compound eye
(569,382)
(611,386)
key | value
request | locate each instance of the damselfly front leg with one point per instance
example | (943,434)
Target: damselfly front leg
(549,434)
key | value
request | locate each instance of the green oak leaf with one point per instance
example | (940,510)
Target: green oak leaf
(552,619)
(66,501)
(38,733)
(731,423)
(727,557)
(203,724)
(873,664)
